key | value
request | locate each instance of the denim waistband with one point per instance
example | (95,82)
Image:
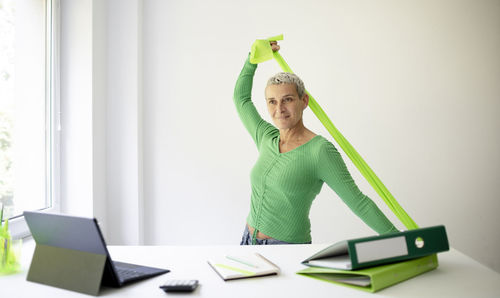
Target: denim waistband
(248,239)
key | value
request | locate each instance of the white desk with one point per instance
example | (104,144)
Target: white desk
(456,276)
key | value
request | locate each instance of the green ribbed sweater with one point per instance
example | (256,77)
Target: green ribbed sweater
(285,184)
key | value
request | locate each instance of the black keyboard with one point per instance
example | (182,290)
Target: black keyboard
(130,272)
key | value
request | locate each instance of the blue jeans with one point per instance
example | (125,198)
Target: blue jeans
(247,239)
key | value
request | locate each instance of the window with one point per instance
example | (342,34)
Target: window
(28,106)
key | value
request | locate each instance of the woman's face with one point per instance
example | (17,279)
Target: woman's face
(284,105)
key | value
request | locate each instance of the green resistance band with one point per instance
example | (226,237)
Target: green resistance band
(262,51)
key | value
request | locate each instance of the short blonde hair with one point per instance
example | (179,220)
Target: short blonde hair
(288,78)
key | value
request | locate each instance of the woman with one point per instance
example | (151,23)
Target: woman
(293,163)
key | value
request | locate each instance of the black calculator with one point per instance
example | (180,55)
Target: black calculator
(177,285)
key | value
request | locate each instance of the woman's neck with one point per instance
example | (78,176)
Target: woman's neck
(292,134)
(294,137)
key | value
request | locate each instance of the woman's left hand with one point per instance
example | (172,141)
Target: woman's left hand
(274,46)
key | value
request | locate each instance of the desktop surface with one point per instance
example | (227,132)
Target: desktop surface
(457,275)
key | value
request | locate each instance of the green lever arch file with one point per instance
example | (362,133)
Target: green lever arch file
(382,249)
(374,279)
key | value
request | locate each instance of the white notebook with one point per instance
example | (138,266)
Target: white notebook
(243,266)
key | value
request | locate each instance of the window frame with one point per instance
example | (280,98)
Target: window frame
(17,224)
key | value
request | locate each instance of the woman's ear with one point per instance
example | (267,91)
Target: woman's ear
(305,98)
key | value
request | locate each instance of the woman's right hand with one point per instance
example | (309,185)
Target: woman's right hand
(274,46)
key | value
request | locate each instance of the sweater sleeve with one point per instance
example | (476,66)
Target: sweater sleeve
(333,171)
(247,112)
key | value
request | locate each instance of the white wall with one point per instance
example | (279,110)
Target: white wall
(76,76)
(101,95)
(413,85)
(124,122)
